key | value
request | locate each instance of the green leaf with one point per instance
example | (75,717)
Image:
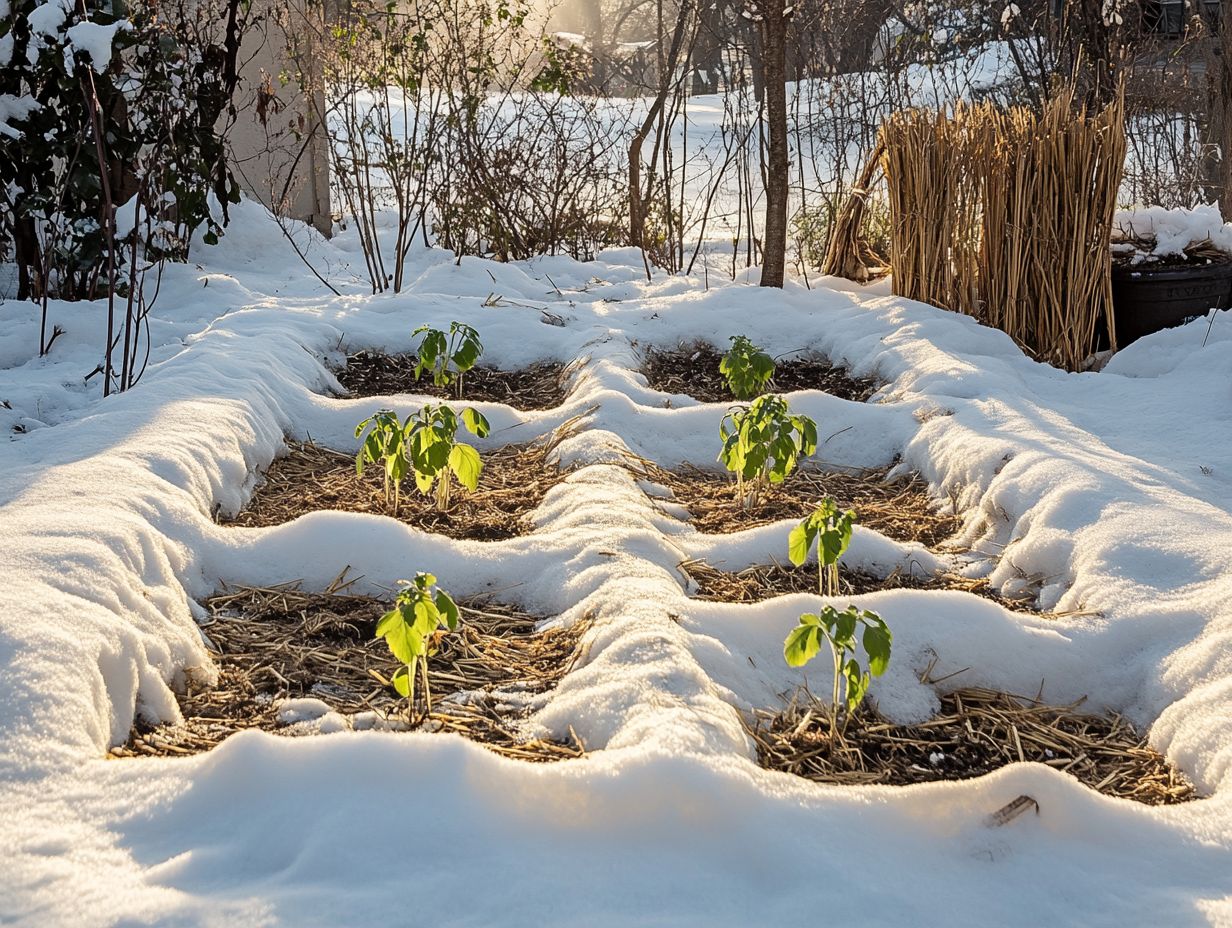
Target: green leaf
(802,644)
(476,424)
(465,463)
(448,609)
(405,643)
(800,542)
(402,682)
(877,641)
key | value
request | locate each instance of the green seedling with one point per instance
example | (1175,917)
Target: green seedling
(828,529)
(422,615)
(762,443)
(385,445)
(838,629)
(436,454)
(747,368)
(447,357)
(425,444)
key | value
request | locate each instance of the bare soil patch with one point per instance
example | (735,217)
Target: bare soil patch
(309,478)
(693,369)
(976,731)
(543,385)
(280,643)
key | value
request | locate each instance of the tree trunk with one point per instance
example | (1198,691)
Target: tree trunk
(1221,110)
(773,28)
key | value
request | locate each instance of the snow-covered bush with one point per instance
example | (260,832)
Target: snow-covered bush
(113,151)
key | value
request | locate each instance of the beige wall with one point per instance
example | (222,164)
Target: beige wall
(278,147)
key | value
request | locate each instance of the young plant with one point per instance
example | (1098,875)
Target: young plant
(385,445)
(762,443)
(838,629)
(828,529)
(436,454)
(447,357)
(422,615)
(747,368)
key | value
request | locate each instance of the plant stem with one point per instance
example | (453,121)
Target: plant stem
(834,696)
(423,663)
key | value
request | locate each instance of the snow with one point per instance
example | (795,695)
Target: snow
(1174,230)
(95,40)
(1107,495)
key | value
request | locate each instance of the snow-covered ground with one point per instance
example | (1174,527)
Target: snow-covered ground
(1108,494)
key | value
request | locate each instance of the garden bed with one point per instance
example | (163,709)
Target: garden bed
(280,643)
(900,508)
(693,369)
(543,385)
(309,478)
(765,581)
(976,732)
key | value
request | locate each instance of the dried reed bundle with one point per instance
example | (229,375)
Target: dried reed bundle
(848,253)
(1008,216)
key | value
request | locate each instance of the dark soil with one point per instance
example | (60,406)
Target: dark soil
(694,371)
(540,386)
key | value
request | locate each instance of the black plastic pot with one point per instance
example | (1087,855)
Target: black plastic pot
(1146,300)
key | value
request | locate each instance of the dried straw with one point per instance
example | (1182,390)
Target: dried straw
(309,478)
(765,581)
(900,508)
(1008,216)
(278,642)
(848,253)
(975,732)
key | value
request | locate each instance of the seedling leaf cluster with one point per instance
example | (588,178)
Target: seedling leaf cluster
(762,443)
(830,530)
(426,445)
(746,367)
(422,615)
(447,357)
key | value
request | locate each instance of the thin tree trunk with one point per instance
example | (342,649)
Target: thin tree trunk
(773,28)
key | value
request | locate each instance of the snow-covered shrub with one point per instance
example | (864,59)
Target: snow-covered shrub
(113,152)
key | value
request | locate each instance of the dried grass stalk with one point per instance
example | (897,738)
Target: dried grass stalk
(1008,216)
(848,253)
(975,732)
(279,642)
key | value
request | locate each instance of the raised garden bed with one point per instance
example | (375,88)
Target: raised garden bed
(309,478)
(976,732)
(280,643)
(543,385)
(899,508)
(765,581)
(693,369)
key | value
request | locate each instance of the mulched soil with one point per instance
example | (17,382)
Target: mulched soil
(976,731)
(311,478)
(755,584)
(693,369)
(900,508)
(543,385)
(278,643)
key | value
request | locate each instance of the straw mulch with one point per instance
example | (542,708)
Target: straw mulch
(278,643)
(543,385)
(1007,215)
(900,508)
(309,478)
(693,369)
(765,581)
(976,731)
